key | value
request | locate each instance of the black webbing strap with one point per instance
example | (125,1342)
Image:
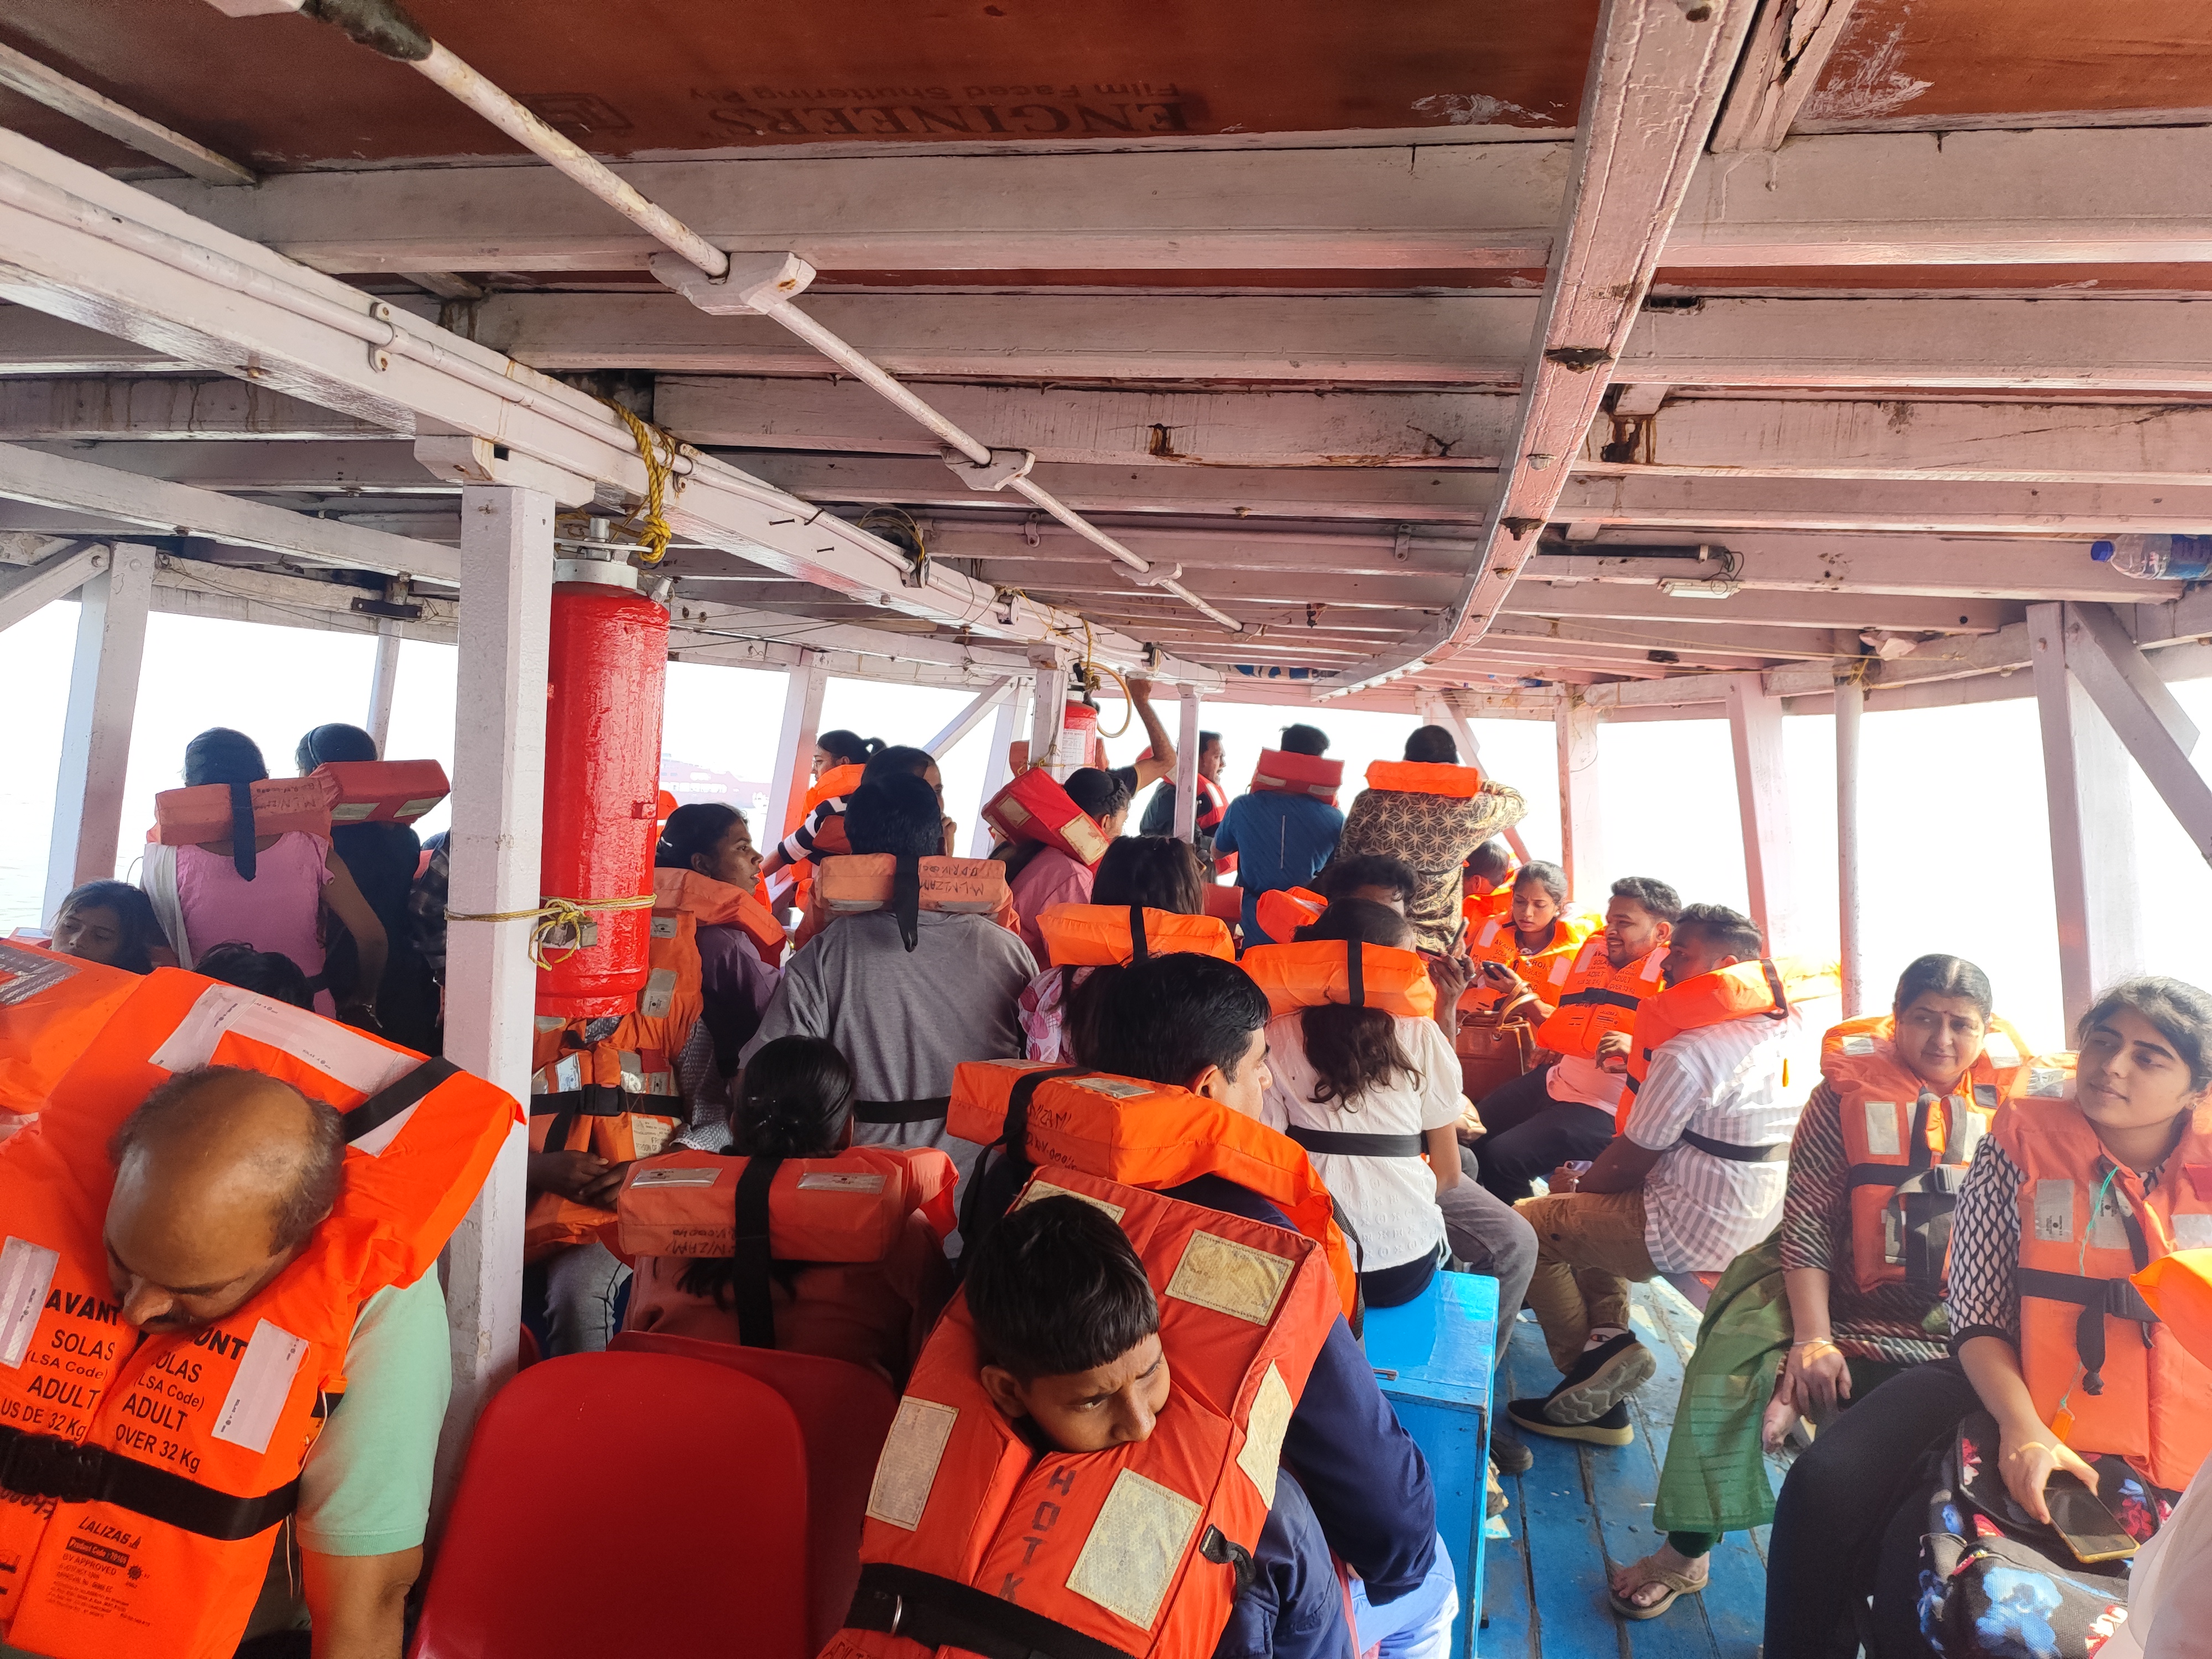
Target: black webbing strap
(756,1304)
(2100,1299)
(1140,949)
(379,1109)
(927,1110)
(1781,1008)
(1592,996)
(1013,1138)
(47,1466)
(906,897)
(1355,972)
(1778,1153)
(243,856)
(1351,1145)
(592,1100)
(942,1613)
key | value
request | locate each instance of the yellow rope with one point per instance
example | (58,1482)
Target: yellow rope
(651,529)
(551,916)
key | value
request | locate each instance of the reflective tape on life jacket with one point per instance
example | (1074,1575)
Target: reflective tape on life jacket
(717,904)
(1101,935)
(1034,807)
(1908,1148)
(1281,911)
(51,1008)
(1145,1134)
(1279,772)
(1770,987)
(1599,998)
(1332,970)
(978,1541)
(146,1475)
(2101,1369)
(853,1207)
(1495,938)
(1424,778)
(383,791)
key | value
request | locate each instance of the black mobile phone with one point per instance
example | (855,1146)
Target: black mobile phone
(2082,1519)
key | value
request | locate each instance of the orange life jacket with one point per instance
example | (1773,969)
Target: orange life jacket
(1144,1134)
(1424,778)
(1034,807)
(1281,911)
(51,1007)
(1279,772)
(147,1475)
(867,881)
(1098,935)
(1599,998)
(1907,1148)
(1495,938)
(1479,908)
(1331,970)
(187,817)
(717,904)
(1767,987)
(2103,1372)
(974,1536)
(835,784)
(384,792)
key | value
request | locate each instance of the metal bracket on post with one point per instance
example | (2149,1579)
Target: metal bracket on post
(1002,469)
(755,282)
(467,460)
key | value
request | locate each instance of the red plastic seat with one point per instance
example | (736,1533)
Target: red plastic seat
(625,1502)
(844,1414)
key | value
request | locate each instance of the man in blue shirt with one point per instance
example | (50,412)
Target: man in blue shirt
(1280,839)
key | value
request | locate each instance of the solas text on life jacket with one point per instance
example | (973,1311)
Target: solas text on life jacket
(976,1535)
(2102,1370)
(1767,988)
(1908,1148)
(608,1084)
(1152,1135)
(146,1476)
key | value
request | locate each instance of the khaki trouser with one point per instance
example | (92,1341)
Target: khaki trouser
(1588,1246)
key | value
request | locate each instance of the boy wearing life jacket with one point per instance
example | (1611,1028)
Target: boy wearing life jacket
(1200,1025)
(1281,833)
(1695,1179)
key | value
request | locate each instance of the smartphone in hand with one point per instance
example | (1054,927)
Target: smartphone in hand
(2079,1517)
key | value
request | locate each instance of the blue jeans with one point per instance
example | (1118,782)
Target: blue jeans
(1294,1607)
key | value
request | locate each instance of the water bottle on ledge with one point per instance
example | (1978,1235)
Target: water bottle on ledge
(2157,558)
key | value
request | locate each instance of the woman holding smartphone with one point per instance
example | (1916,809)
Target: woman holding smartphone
(2082,1182)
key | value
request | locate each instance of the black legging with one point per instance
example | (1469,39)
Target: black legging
(1839,1503)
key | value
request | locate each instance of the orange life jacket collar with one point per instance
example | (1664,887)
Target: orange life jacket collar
(1100,935)
(1426,778)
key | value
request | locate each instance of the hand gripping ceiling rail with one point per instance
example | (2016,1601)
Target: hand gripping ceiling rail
(761,283)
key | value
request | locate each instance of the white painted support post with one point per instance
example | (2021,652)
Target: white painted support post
(968,719)
(103,698)
(2092,860)
(383,680)
(499,805)
(1581,803)
(997,770)
(1186,781)
(1850,704)
(2148,718)
(794,747)
(1763,802)
(1045,717)
(1446,713)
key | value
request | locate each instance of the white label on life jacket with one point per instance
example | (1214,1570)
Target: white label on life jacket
(362,1065)
(2192,1232)
(2108,1232)
(351,811)
(258,1393)
(659,993)
(2054,1211)
(665,928)
(1858,1043)
(1262,1457)
(2045,1083)
(1135,1546)
(1040,1188)
(1997,1050)
(1882,1135)
(1229,1277)
(687,1177)
(841,1180)
(26,1273)
(907,1468)
(1120,1087)
(649,1135)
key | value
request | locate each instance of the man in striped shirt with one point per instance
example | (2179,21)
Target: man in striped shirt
(1695,1180)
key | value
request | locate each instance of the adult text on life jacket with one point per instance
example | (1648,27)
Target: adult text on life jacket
(145,1478)
(975,1535)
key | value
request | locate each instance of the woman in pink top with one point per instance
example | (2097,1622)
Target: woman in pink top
(271,899)
(1042,877)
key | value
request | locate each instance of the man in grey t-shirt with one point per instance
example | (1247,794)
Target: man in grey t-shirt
(904,1016)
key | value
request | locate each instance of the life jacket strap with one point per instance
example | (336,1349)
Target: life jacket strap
(379,1109)
(942,1613)
(1593,996)
(1355,973)
(930,1110)
(755,1300)
(2100,1299)
(1778,1153)
(1141,948)
(1340,1144)
(46,1466)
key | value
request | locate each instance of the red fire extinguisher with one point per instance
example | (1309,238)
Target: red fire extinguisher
(1077,745)
(608,666)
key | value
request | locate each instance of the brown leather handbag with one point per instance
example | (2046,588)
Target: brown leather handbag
(1493,1050)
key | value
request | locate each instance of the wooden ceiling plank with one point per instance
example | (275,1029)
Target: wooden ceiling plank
(36,80)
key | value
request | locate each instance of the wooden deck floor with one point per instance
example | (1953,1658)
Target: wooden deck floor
(1583,1510)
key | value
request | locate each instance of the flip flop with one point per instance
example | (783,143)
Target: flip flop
(1676,1584)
